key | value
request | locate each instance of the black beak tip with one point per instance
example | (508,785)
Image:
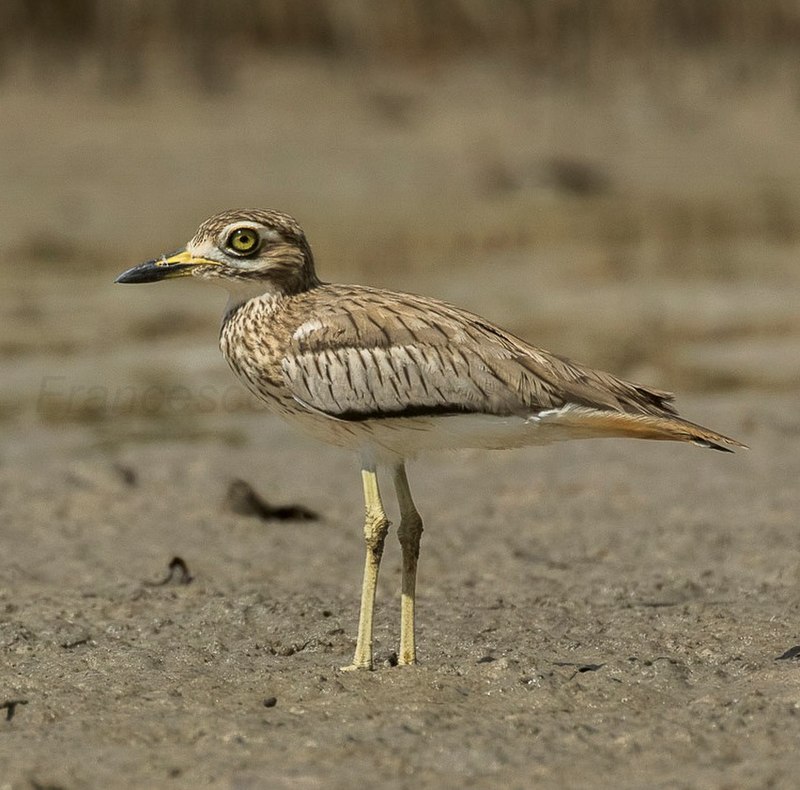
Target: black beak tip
(147,272)
(123,278)
(164,268)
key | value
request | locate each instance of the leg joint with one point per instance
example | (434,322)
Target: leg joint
(376,526)
(410,528)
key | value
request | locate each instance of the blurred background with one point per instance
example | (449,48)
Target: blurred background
(617,180)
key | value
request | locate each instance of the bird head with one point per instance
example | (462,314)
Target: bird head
(239,249)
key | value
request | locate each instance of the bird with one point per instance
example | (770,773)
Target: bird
(391,375)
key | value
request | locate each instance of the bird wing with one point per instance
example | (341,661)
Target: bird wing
(367,354)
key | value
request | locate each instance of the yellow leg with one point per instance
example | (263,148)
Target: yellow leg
(409,533)
(376,525)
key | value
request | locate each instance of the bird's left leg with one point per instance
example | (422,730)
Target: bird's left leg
(376,525)
(409,533)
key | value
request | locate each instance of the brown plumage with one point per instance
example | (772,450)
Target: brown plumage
(392,374)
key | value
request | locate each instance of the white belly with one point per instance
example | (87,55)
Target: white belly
(409,436)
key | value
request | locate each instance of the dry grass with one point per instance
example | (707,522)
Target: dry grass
(572,38)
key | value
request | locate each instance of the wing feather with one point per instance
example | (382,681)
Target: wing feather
(369,354)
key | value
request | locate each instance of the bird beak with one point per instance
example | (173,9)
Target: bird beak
(167,267)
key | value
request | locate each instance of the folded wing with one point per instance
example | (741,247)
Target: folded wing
(371,358)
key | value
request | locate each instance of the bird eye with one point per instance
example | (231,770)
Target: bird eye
(243,241)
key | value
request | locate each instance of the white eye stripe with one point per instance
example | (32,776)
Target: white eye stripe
(219,248)
(265,234)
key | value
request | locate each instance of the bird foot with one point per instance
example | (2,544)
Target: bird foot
(357,667)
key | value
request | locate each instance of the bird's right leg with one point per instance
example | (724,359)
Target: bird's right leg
(376,525)
(409,533)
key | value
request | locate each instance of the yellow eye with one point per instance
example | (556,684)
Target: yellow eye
(243,241)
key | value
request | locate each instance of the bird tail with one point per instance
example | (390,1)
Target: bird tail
(599,423)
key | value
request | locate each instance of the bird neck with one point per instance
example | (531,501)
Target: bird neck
(290,272)
(241,291)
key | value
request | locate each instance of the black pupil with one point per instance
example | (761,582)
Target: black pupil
(245,239)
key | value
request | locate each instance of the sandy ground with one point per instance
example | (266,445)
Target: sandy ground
(601,614)
(604,614)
